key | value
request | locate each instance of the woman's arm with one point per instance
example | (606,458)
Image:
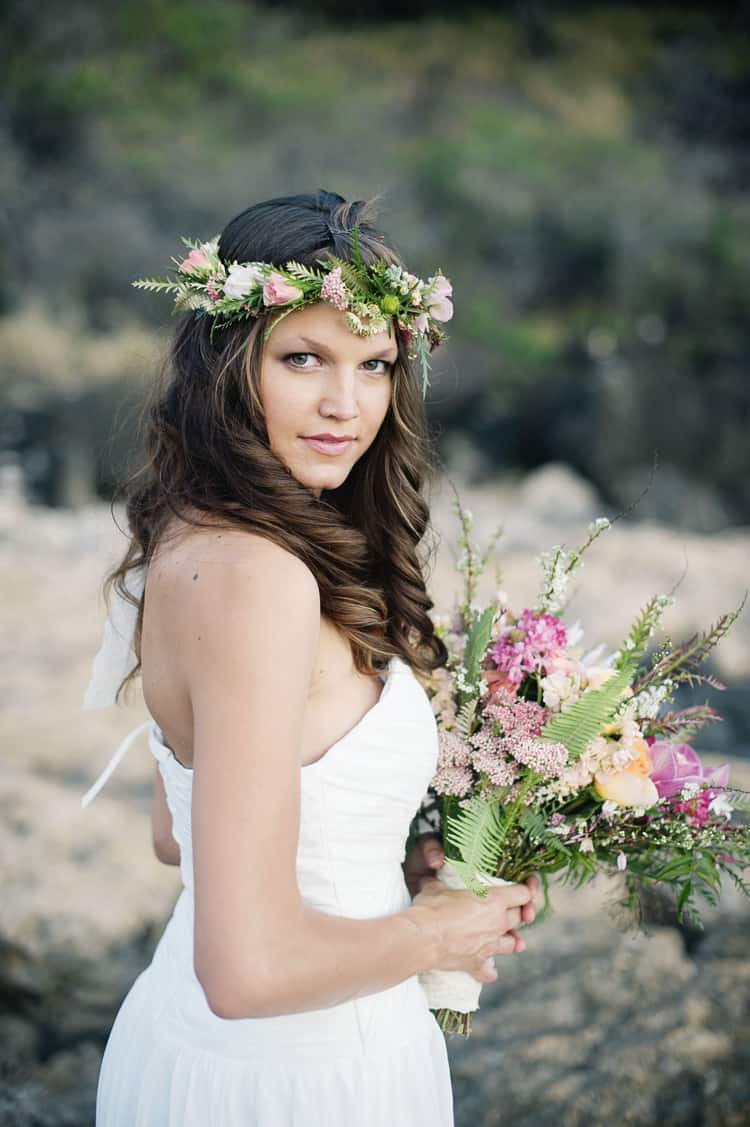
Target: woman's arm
(247,642)
(165,846)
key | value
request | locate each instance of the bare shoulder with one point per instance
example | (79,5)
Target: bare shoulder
(214,557)
(225,590)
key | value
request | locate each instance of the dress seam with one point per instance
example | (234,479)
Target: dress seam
(335,886)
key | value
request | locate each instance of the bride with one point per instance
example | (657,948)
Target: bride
(280,625)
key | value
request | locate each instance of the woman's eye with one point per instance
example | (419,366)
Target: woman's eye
(292,355)
(386,366)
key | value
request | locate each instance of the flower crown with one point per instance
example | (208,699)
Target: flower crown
(368,296)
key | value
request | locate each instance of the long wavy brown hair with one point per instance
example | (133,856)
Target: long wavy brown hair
(204,455)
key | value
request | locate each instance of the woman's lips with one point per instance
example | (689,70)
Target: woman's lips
(328,446)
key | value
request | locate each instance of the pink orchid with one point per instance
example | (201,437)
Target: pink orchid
(674,765)
(277,291)
(196,260)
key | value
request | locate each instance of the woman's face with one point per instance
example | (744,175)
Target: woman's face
(317,379)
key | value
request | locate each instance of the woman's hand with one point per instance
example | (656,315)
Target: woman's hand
(425,857)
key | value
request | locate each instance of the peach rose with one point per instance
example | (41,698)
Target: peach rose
(631,786)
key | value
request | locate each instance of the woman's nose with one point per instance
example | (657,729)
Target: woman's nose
(340,397)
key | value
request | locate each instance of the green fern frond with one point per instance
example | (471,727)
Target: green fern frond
(583,721)
(465,717)
(155,284)
(304,273)
(476,833)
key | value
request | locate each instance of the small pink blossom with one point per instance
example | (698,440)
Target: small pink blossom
(497,768)
(546,758)
(334,290)
(456,781)
(438,301)
(453,751)
(277,291)
(196,260)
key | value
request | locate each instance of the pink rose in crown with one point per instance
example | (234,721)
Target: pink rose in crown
(277,291)
(196,260)
(674,765)
(438,300)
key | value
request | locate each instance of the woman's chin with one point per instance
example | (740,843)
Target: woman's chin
(327,477)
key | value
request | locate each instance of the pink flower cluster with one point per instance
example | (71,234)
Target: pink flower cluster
(453,774)
(545,758)
(524,646)
(507,741)
(334,290)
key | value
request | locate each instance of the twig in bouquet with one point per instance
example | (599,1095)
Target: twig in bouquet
(684,723)
(558,566)
(679,664)
(642,494)
(471,562)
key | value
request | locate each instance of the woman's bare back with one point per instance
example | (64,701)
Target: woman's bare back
(338,696)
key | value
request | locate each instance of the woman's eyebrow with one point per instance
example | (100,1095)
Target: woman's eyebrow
(384,354)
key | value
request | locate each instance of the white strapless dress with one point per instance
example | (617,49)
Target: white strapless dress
(376,1061)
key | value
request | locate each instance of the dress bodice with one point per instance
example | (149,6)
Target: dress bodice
(356,802)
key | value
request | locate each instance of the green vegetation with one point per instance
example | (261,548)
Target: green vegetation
(584,176)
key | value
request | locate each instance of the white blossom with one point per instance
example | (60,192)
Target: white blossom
(721,806)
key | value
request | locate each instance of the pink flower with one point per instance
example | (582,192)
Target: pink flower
(674,765)
(421,323)
(334,290)
(277,291)
(526,646)
(438,301)
(196,260)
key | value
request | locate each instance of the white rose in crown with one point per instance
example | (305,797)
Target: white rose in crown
(241,279)
(454,989)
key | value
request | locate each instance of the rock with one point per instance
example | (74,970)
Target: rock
(589,1026)
(557,495)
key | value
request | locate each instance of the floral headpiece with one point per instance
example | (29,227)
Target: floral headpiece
(369,296)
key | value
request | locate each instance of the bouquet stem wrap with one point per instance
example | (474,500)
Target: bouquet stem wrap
(454,991)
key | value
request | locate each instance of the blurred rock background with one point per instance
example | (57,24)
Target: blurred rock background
(580,172)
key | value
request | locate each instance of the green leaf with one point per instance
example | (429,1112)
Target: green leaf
(477,642)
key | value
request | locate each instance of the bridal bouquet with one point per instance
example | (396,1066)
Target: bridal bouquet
(554,760)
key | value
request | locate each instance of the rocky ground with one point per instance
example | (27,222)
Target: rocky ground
(591,1025)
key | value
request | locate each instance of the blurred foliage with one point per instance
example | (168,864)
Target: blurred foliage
(580,172)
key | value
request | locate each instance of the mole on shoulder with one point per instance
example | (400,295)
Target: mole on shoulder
(196,575)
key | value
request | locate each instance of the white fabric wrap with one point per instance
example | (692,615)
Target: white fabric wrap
(115,656)
(454,989)
(113,660)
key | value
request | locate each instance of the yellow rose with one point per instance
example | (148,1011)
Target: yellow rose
(632,786)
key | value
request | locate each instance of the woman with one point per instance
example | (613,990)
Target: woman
(283,622)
